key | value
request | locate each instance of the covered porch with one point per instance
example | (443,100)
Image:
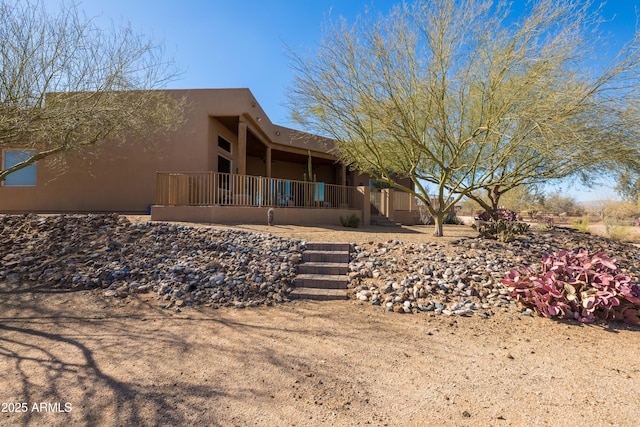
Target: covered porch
(273,153)
(238,198)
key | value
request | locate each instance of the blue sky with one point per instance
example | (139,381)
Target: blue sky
(222,43)
(230,44)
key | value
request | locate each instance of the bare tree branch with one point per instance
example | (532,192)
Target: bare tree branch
(465,99)
(66,84)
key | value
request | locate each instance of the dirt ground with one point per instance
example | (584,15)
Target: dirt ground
(80,359)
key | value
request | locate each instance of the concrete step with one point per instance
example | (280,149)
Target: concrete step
(331,281)
(323,272)
(319,294)
(384,222)
(334,268)
(325,256)
(327,246)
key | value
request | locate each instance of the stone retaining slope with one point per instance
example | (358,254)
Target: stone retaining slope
(323,272)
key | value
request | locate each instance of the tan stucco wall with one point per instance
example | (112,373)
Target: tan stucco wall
(297,171)
(250,215)
(118,178)
(359,179)
(256,167)
(122,177)
(407,217)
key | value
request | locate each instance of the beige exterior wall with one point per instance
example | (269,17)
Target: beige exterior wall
(118,178)
(251,215)
(256,166)
(122,177)
(407,217)
(298,171)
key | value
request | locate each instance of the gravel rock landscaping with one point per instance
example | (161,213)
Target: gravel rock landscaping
(183,265)
(188,265)
(462,277)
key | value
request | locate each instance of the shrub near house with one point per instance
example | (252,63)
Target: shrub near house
(503,225)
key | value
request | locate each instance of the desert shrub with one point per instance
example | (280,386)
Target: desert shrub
(453,220)
(622,212)
(558,203)
(427,219)
(504,231)
(352,221)
(545,222)
(529,213)
(505,228)
(502,213)
(468,207)
(617,230)
(618,217)
(580,286)
(582,225)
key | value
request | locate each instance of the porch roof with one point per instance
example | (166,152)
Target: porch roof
(231,105)
(288,144)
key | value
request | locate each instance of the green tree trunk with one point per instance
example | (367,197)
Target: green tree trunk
(438,220)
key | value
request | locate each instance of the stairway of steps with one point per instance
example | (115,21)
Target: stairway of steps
(383,221)
(322,275)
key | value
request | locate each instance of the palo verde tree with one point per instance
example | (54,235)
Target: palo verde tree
(462,96)
(66,84)
(628,185)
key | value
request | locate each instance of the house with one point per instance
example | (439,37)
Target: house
(227,163)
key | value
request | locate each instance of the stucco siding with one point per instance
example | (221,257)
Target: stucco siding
(122,177)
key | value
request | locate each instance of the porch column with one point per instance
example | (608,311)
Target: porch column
(387,202)
(366,204)
(343,182)
(268,161)
(384,202)
(242,146)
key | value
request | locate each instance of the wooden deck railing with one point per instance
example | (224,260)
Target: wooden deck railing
(404,202)
(401,201)
(223,189)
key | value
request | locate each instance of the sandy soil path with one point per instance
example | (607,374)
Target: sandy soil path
(119,363)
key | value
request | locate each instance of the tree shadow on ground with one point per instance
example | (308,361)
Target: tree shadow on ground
(45,289)
(52,355)
(603,325)
(124,366)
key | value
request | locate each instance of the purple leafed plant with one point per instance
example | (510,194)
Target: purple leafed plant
(501,213)
(579,286)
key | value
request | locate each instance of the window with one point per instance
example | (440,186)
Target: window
(224,165)
(23,177)
(224,144)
